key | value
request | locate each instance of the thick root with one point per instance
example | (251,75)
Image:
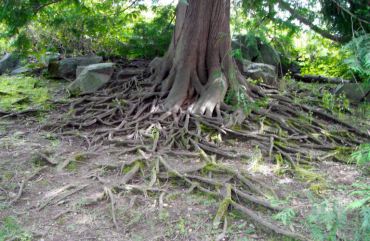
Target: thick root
(211,98)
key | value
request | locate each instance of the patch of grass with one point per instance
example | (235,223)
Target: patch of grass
(53,139)
(181,226)
(21,92)
(7,175)
(72,166)
(11,230)
(164,215)
(201,199)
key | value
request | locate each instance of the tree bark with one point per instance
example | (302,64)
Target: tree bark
(198,68)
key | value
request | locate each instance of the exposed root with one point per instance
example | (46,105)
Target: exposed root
(130,114)
(6,114)
(24,183)
(59,195)
(112,201)
(43,157)
(211,98)
(269,226)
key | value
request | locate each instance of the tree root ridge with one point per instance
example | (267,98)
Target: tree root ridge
(131,113)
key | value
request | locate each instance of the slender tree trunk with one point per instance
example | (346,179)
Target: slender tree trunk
(198,68)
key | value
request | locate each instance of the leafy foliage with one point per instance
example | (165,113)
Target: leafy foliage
(286,216)
(363,191)
(361,156)
(358,60)
(360,208)
(148,39)
(326,220)
(109,27)
(346,17)
(239,100)
(332,221)
(318,56)
(334,103)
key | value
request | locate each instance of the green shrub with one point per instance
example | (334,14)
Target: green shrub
(358,60)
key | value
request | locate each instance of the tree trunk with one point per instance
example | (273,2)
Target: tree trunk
(198,68)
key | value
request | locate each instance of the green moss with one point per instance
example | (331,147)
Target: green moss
(21,92)
(128,168)
(80,157)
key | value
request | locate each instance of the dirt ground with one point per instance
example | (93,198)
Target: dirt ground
(58,194)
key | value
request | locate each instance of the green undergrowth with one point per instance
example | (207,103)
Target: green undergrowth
(21,92)
(332,219)
(361,156)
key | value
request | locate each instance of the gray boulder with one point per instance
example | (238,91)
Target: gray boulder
(262,71)
(79,70)
(92,78)
(355,92)
(66,68)
(21,70)
(256,50)
(8,62)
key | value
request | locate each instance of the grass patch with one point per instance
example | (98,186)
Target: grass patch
(22,92)
(10,230)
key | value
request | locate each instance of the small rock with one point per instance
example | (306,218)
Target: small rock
(8,62)
(92,78)
(12,194)
(79,70)
(20,70)
(66,68)
(262,71)
(355,92)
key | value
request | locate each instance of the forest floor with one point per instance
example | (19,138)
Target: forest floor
(50,190)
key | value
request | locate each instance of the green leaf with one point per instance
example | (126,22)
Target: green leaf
(358,203)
